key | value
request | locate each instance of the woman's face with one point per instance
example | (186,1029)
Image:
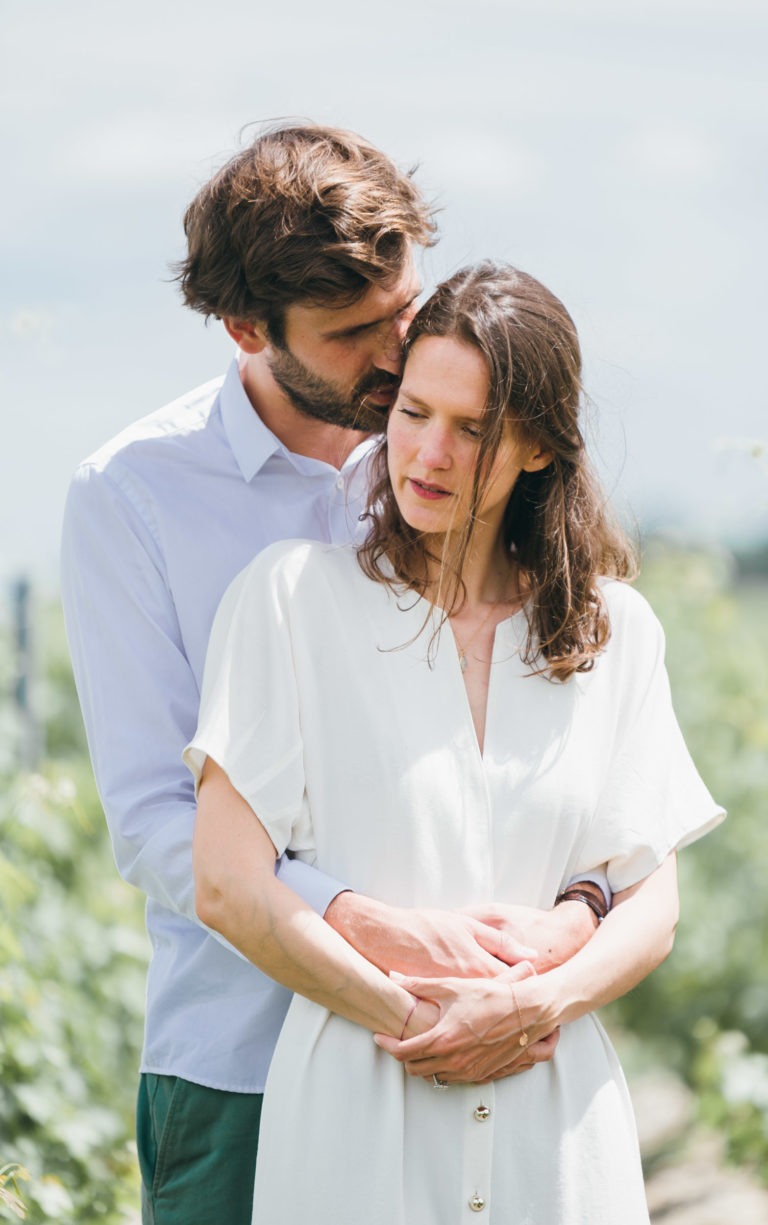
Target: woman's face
(433,438)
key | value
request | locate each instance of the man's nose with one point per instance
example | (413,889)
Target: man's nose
(389,352)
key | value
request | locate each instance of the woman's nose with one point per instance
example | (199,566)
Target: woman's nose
(434,450)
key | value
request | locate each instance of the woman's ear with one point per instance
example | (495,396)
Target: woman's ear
(250,337)
(538,458)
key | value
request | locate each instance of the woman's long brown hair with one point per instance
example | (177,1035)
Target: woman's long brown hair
(557,525)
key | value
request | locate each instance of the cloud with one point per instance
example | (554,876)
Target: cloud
(26,323)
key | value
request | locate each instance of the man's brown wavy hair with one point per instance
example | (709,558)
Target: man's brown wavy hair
(557,525)
(305,213)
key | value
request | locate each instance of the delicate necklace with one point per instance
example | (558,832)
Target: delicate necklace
(463,661)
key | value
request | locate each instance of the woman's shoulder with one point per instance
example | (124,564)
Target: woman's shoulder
(631,618)
(286,565)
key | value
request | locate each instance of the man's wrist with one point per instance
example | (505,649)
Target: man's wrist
(589,894)
(337,907)
(365,923)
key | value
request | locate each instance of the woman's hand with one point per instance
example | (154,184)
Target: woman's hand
(487,1028)
(423,1016)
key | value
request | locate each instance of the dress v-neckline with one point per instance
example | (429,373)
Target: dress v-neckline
(459,675)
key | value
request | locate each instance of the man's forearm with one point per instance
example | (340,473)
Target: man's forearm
(476,943)
(422,941)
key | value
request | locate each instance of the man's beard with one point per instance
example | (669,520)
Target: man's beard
(316,397)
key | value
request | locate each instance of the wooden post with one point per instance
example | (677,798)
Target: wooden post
(29,741)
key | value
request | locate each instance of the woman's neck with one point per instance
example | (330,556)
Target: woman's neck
(489,576)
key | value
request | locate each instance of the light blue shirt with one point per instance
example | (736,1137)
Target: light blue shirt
(158,522)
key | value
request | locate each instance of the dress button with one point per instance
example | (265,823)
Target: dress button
(477,1203)
(482,1113)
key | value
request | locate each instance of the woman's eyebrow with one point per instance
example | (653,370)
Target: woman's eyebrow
(417,400)
(419,403)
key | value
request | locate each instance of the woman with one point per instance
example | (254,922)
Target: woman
(470,710)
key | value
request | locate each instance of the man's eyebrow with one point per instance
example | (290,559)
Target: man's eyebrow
(335,333)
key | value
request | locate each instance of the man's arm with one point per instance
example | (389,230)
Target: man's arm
(137,690)
(475,943)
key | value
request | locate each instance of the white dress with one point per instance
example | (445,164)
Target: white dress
(358,752)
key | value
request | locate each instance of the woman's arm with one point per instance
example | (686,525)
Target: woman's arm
(635,937)
(238,895)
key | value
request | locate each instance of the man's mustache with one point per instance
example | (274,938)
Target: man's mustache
(381,382)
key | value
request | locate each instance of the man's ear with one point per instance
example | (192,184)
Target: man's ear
(250,337)
(537,459)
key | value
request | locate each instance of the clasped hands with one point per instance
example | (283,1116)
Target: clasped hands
(471,1030)
(480,1014)
(479,976)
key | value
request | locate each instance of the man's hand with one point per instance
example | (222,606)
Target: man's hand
(555,934)
(428,943)
(487,1029)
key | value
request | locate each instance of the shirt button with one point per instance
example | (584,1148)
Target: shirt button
(482,1113)
(340,483)
(477,1203)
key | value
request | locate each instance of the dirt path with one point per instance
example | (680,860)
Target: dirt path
(687,1177)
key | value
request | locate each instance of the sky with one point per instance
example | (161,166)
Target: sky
(616,151)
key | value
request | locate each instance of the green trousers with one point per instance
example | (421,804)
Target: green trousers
(197,1152)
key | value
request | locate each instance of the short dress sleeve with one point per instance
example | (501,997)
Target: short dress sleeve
(249,721)
(653,800)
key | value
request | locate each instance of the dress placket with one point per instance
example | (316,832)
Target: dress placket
(480,1102)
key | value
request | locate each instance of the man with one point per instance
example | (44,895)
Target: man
(303,246)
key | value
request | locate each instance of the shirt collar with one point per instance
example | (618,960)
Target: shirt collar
(253,443)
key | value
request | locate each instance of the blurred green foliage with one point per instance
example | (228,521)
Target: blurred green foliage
(72,965)
(710,999)
(73,952)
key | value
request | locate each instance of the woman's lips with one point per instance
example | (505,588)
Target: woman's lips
(431,493)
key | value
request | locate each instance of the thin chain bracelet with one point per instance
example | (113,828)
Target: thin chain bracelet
(523,1039)
(407,1019)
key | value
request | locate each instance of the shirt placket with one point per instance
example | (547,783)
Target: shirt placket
(346,504)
